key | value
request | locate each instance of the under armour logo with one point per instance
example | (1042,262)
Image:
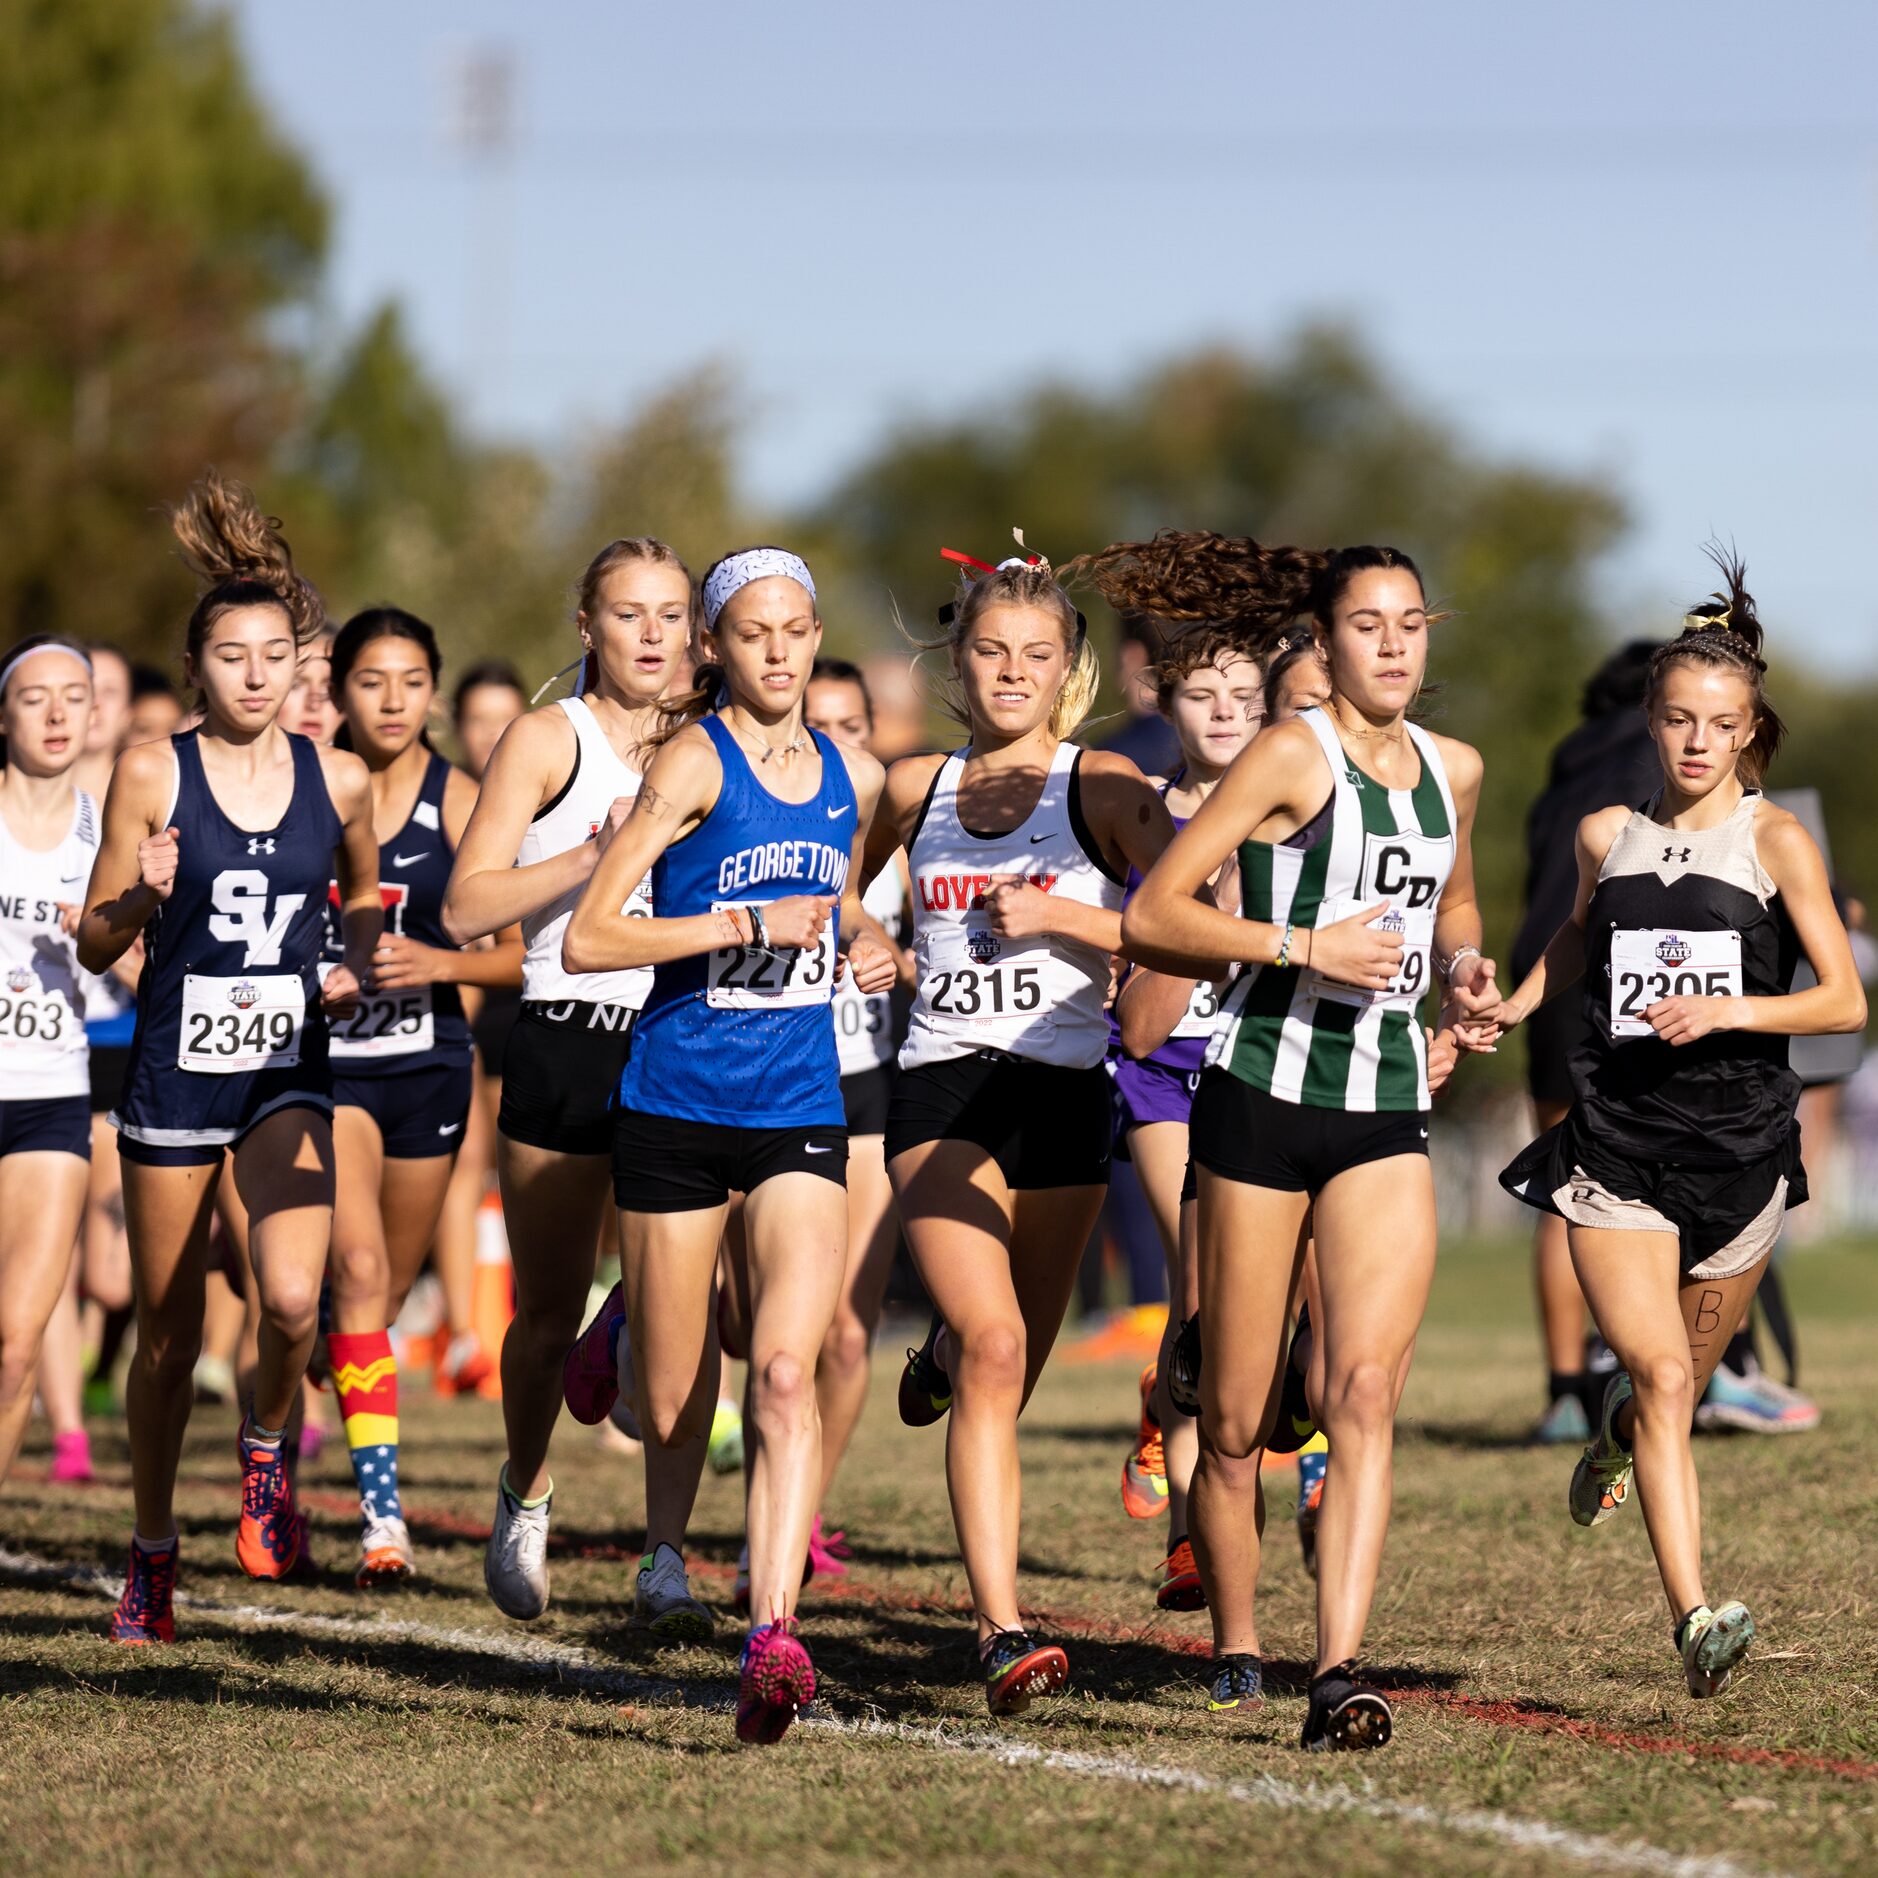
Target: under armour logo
(264,844)
(1677,854)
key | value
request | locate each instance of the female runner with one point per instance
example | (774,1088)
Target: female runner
(751,825)
(487,700)
(1211,691)
(402,1073)
(1681,1152)
(838,705)
(1352,830)
(1000,1127)
(556,791)
(219,847)
(48,841)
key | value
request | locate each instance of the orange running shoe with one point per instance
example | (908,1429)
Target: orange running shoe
(1180,1588)
(271,1537)
(143,1613)
(1144,1473)
(463,1367)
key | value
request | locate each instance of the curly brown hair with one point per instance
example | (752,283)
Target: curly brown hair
(1192,651)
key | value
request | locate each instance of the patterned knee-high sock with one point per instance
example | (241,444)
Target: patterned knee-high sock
(365,1374)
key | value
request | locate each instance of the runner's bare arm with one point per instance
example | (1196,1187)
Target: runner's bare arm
(136,860)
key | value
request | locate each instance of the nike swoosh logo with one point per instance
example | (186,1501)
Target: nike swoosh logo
(1037,838)
(809,1147)
(836,813)
(1424,1134)
(409,860)
(65,880)
(450,1130)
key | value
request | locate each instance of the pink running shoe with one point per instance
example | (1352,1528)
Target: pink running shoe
(312,1441)
(590,1376)
(71,1458)
(775,1680)
(829,1552)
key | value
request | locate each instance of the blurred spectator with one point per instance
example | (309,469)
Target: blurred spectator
(899,707)
(1144,736)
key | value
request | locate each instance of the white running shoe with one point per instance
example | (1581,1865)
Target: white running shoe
(385,1555)
(663,1604)
(1711,1643)
(515,1564)
(1601,1480)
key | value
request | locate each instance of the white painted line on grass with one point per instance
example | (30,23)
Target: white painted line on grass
(581,1668)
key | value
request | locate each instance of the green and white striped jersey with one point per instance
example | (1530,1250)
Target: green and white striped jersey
(1302,1037)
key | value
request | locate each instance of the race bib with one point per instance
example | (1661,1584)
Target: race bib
(387,1023)
(32,1018)
(1404,991)
(742,978)
(1648,965)
(1201,1012)
(234,1025)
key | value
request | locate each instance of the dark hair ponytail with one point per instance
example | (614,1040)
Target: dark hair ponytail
(1724,633)
(362,630)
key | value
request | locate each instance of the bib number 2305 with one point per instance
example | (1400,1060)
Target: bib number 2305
(234,1025)
(740,978)
(1648,965)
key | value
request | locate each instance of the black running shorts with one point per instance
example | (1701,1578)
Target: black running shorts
(560,1075)
(664,1164)
(1044,1125)
(1244,1134)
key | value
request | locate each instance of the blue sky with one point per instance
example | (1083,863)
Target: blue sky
(1638,242)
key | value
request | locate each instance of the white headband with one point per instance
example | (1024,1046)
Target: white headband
(46,645)
(738,570)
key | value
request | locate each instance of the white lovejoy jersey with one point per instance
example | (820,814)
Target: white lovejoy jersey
(1039,998)
(42,989)
(863,1024)
(597,780)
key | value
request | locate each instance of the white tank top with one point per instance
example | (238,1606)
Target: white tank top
(598,779)
(42,987)
(1040,998)
(864,1025)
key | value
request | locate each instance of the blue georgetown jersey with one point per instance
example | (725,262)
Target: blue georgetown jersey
(738,1037)
(421,1025)
(228,1019)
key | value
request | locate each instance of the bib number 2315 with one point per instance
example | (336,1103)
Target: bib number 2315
(740,978)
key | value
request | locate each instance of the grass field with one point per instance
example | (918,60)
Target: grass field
(1541,1725)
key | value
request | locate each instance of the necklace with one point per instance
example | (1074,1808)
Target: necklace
(1398,736)
(800,741)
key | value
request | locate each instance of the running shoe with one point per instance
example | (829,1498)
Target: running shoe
(515,1562)
(310,1443)
(775,1680)
(143,1613)
(925,1388)
(1711,1643)
(1751,1402)
(1183,1367)
(829,1552)
(1563,1423)
(1345,1713)
(663,1604)
(1296,1423)
(590,1375)
(1017,1671)
(214,1380)
(100,1397)
(1238,1686)
(385,1555)
(268,1541)
(1144,1473)
(1312,1469)
(740,1590)
(1601,1480)
(1180,1588)
(71,1459)
(464,1367)
(725,1452)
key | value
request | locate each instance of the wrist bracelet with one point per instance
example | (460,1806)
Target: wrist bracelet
(1446,966)
(759,938)
(1284,947)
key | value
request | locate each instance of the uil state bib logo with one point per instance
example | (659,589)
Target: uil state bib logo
(242,996)
(20,978)
(982,947)
(1391,921)
(1673,949)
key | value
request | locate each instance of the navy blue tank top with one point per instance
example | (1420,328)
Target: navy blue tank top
(422,1025)
(230,984)
(737,1037)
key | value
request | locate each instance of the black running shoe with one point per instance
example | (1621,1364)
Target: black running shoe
(1296,1423)
(1183,1367)
(925,1388)
(1238,1686)
(1345,1713)
(1016,1669)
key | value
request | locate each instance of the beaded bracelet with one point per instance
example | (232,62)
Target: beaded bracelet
(1284,950)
